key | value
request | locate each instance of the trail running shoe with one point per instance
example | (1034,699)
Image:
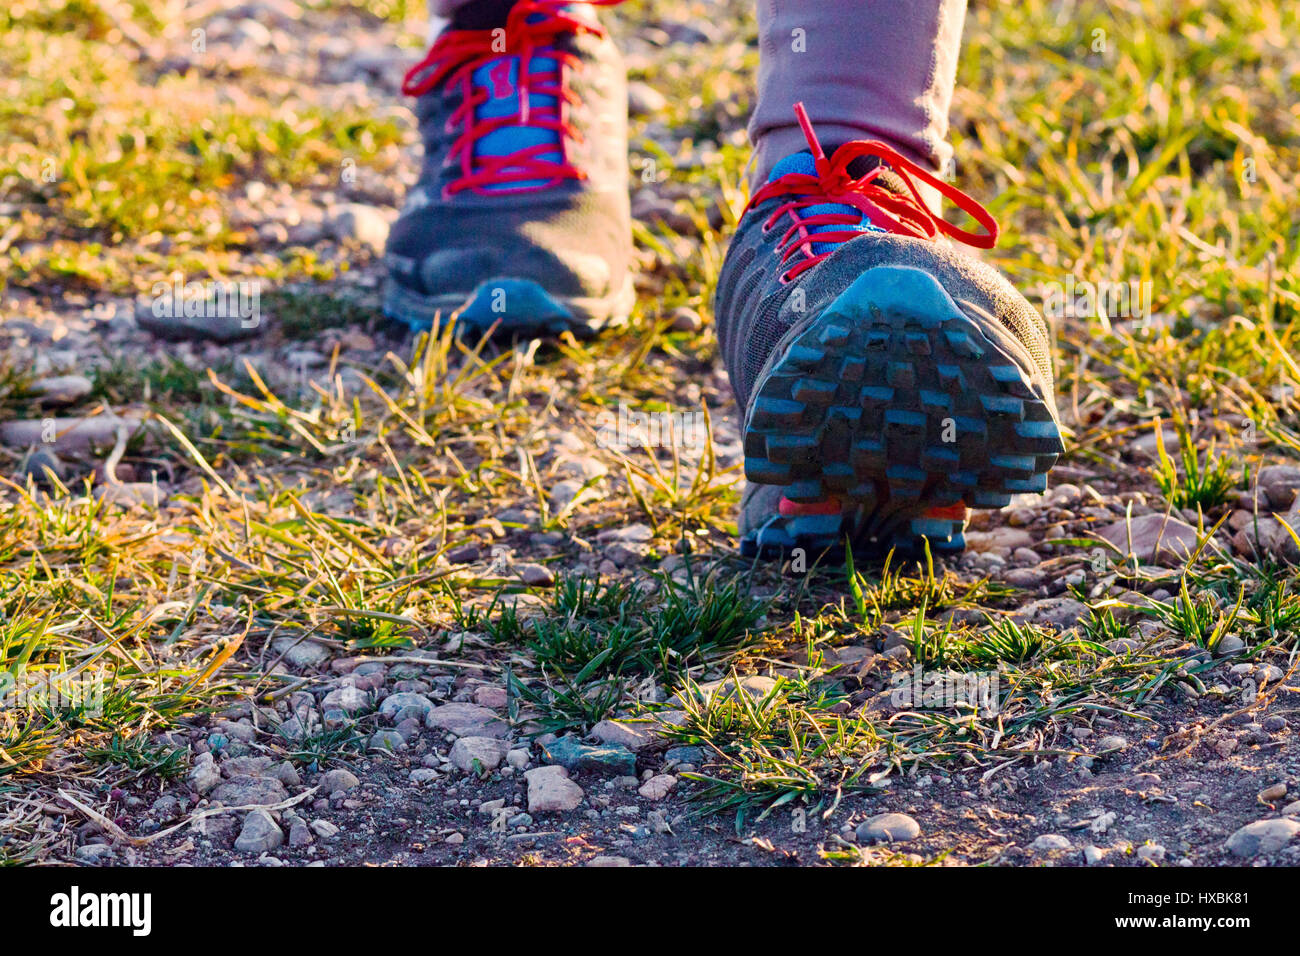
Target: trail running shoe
(520,217)
(888,381)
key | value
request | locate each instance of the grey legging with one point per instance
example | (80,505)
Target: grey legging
(865,69)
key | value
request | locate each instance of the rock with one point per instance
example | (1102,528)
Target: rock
(259,834)
(68,434)
(45,467)
(300,833)
(348,699)
(291,729)
(551,791)
(695,32)
(467,720)
(1262,837)
(633,736)
(220,830)
(366,224)
(1279,484)
(252,33)
(389,740)
(61,389)
(888,828)
(215,322)
(562,496)
(1111,743)
(204,775)
(1063,495)
(609,861)
(850,654)
(584,468)
(286,773)
(1151,852)
(658,786)
(246,791)
(95,854)
(323,829)
(1059,612)
(465,554)
(423,775)
(1267,537)
(630,534)
(1275,792)
(1228,645)
(1291,809)
(686,319)
(571,754)
(624,557)
(1093,855)
(644,100)
(395,704)
(355,340)
(1154,538)
(477,754)
(1027,578)
(676,756)
(535,575)
(303,359)
(518,759)
(524,517)
(455,839)
(246,767)
(332,781)
(652,209)
(1242,520)
(1148,443)
(491,696)
(1049,843)
(301,653)
(1002,540)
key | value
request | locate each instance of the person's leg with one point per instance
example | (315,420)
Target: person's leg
(471,14)
(864,70)
(887,380)
(519,221)
(445,8)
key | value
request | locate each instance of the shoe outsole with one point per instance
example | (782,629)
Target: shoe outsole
(515,307)
(896,400)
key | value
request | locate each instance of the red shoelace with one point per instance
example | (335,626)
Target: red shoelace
(900,214)
(531,29)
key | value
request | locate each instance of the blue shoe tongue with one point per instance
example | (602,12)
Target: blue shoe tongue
(804,163)
(501,79)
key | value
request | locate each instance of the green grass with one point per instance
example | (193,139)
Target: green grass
(120,177)
(307,509)
(598,648)
(1205,482)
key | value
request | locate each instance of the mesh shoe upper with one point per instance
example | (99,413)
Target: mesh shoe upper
(524,175)
(785,263)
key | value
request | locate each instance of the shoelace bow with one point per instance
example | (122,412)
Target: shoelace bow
(905,215)
(532,28)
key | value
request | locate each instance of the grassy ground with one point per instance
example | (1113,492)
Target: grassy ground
(447,509)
